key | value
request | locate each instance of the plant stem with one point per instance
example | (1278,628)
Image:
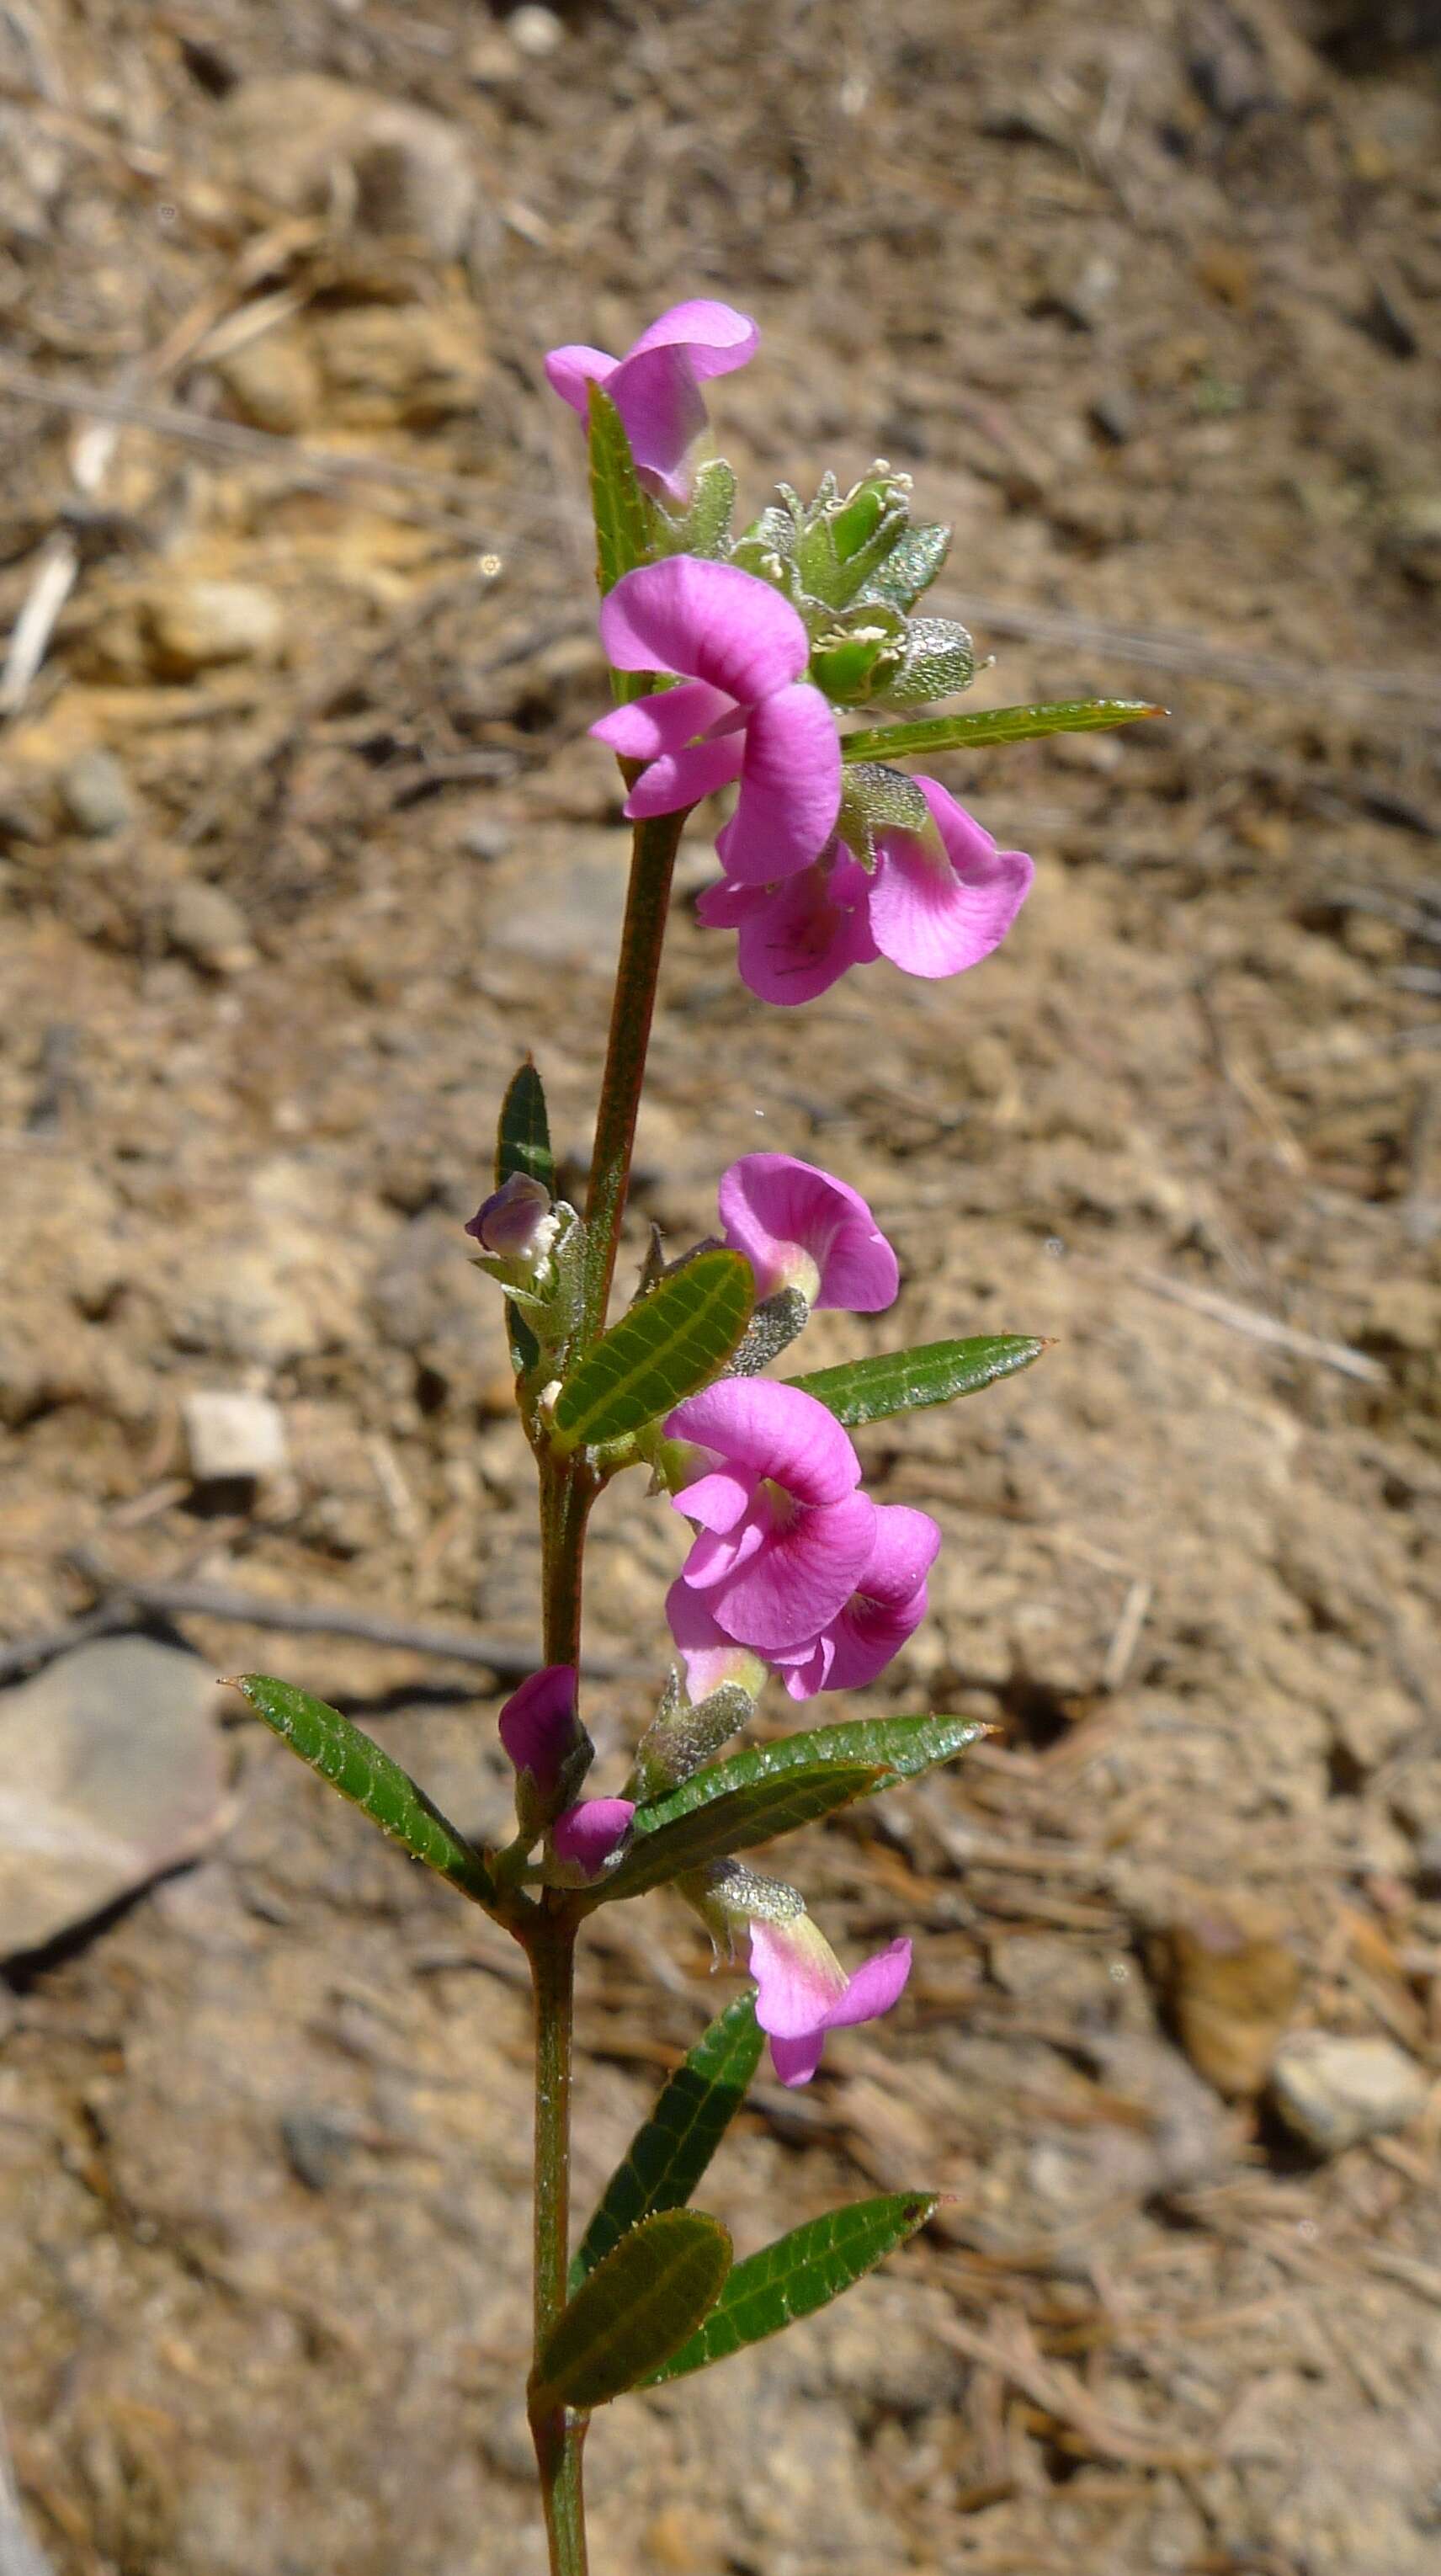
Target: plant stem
(568,1487)
(559,2435)
(642,937)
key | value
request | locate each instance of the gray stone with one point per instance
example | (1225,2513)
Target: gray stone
(94,794)
(1334,2091)
(308,143)
(111,1770)
(192,626)
(208,926)
(534,31)
(232,1436)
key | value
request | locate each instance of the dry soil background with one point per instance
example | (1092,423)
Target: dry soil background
(303,843)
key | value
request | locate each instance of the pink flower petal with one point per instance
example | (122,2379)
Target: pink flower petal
(572,371)
(684,777)
(589,1833)
(717,338)
(706,621)
(538,1724)
(795,2060)
(936,912)
(873,1989)
(798,1977)
(775,1431)
(790,786)
(907,1545)
(664,722)
(800,937)
(709,1655)
(781,1212)
(659,401)
(715,1558)
(723,905)
(718,1500)
(795,1584)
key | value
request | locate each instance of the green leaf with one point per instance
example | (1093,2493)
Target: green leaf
(668,2155)
(672,1341)
(773,1788)
(997,724)
(798,2274)
(522,1140)
(356,1766)
(859,1391)
(622,521)
(633,2311)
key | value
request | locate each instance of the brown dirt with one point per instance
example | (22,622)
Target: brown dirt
(1148,303)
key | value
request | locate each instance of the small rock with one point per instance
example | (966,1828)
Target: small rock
(272,382)
(193,626)
(317,2144)
(307,143)
(112,1771)
(410,365)
(534,31)
(1231,1980)
(233,1438)
(1114,414)
(208,926)
(94,794)
(565,899)
(1334,2091)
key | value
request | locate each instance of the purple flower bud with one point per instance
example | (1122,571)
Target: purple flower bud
(539,1726)
(587,1834)
(516,1223)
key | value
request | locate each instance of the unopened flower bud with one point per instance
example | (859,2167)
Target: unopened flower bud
(517,1224)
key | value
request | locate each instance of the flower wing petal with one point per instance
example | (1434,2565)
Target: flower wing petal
(683,777)
(794,1586)
(937,911)
(790,786)
(873,1989)
(572,371)
(664,722)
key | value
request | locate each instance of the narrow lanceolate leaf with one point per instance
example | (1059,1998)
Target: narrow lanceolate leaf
(622,519)
(633,2311)
(870,1390)
(995,724)
(522,1141)
(668,2155)
(674,1340)
(798,2274)
(772,1788)
(356,1766)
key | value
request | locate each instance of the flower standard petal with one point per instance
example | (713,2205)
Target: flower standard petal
(790,786)
(704,621)
(937,910)
(659,401)
(783,1213)
(717,338)
(776,1431)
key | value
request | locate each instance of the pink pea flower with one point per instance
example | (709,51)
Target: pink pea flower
(656,386)
(742,711)
(539,1727)
(801,1228)
(585,1836)
(888,1604)
(802,1991)
(711,1658)
(933,908)
(783,1535)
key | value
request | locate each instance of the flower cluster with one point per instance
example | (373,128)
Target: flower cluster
(757,640)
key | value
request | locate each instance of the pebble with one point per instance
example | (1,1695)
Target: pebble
(233,1437)
(272,382)
(195,626)
(94,794)
(1231,1980)
(534,31)
(208,926)
(1334,2091)
(112,1770)
(406,364)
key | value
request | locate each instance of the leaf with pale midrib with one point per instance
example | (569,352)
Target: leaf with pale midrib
(771,1789)
(871,1390)
(674,1340)
(342,1754)
(671,2150)
(907,741)
(796,2275)
(522,1142)
(633,2311)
